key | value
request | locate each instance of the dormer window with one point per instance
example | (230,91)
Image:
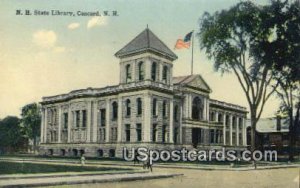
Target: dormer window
(128,73)
(153,71)
(141,71)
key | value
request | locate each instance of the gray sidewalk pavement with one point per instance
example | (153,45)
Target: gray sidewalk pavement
(125,164)
(49,181)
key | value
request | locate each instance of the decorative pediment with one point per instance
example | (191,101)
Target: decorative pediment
(194,81)
(198,82)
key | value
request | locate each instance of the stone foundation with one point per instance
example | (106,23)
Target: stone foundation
(115,150)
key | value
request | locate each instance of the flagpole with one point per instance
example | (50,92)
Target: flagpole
(192,63)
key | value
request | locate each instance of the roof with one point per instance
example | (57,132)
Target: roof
(194,80)
(146,41)
(269,125)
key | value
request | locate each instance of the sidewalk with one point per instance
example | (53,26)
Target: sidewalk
(124,164)
(49,181)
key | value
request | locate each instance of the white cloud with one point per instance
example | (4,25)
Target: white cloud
(96,21)
(73,25)
(45,38)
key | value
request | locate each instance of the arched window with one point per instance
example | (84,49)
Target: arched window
(139,106)
(154,106)
(176,113)
(197,109)
(100,153)
(112,153)
(164,109)
(128,107)
(141,71)
(165,74)
(128,73)
(153,71)
(115,110)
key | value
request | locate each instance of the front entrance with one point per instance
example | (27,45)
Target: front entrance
(196,136)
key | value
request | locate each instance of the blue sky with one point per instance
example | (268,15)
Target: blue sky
(49,55)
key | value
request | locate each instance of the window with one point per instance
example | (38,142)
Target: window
(176,113)
(212,116)
(102,117)
(115,110)
(175,135)
(227,121)
(197,109)
(220,118)
(139,106)
(141,71)
(100,153)
(233,122)
(163,132)
(154,130)
(77,116)
(165,74)
(112,153)
(154,106)
(66,120)
(153,71)
(128,108)
(212,136)
(164,109)
(83,118)
(128,73)
(127,132)
(139,132)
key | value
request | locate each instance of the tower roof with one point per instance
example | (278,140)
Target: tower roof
(146,41)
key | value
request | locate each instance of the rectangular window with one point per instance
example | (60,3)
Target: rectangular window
(164,128)
(66,120)
(175,135)
(139,132)
(83,118)
(212,136)
(127,132)
(102,117)
(154,106)
(77,118)
(154,132)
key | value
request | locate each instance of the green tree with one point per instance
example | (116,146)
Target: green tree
(31,122)
(230,38)
(11,137)
(283,50)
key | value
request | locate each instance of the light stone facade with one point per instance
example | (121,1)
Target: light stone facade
(149,108)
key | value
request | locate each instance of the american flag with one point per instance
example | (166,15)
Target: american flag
(185,43)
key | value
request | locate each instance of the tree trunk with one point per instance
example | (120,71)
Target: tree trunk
(253,132)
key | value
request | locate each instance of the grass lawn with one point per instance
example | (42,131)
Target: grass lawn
(31,168)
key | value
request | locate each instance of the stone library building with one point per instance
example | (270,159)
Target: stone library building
(148,108)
